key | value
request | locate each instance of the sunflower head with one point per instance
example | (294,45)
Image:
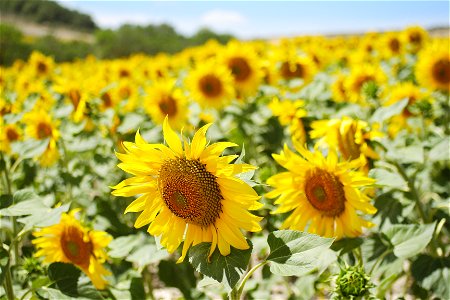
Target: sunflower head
(211,84)
(10,133)
(188,194)
(353,283)
(71,242)
(322,193)
(359,78)
(40,64)
(433,66)
(415,37)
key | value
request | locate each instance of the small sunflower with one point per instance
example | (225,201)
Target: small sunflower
(359,76)
(191,194)
(322,194)
(242,60)
(71,242)
(164,99)
(415,37)
(39,125)
(9,133)
(290,113)
(338,90)
(211,84)
(433,66)
(391,44)
(40,64)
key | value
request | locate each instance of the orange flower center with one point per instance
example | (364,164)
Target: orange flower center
(239,68)
(394,45)
(106,98)
(289,71)
(325,192)
(74,247)
(168,106)
(359,82)
(441,71)
(210,85)
(12,134)
(190,191)
(44,130)
(415,38)
(41,67)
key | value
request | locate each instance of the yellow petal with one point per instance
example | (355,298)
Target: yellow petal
(199,142)
(172,138)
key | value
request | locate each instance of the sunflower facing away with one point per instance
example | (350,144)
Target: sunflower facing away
(322,193)
(191,194)
(71,242)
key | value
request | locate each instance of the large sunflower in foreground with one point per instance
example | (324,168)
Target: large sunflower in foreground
(433,66)
(322,193)
(211,84)
(188,194)
(71,242)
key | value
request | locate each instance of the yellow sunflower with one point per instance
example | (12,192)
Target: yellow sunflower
(9,133)
(415,37)
(211,84)
(71,242)
(164,99)
(191,194)
(359,76)
(39,125)
(338,90)
(323,194)
(391,44)
(40,64)
(349,136)
(242,60)
(290,113)
(433,66)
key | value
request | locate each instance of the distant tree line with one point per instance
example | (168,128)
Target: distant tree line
(124,41)
(48,12)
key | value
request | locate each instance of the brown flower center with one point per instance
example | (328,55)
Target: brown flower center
(75,97)
(41,67)
(289,71)
(239,68)
(44,130)
(441,71)
(190,191)
(74,247)
(168,106)
(359,82)
(394,45)
(415,38)
(12,134)
(106,98)
(210,85)
(325,192)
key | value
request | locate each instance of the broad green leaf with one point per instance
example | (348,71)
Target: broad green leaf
(225,269)
(433,274)
(23,195)
(147,254)
(122,246)
(176,275)
(386,112)
(440,151)
(296,253)
(30,148)
(130,123)
(65,277)
(28,207)
(410,154)
(137,290)
(52,216)
(83,144)
(49,293)
(346,245)
(409,240)
(6,200)
(388,179)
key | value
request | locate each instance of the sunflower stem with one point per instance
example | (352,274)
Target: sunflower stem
(66,166)
(379,260)
(8,284)
(147,276)
(235,294)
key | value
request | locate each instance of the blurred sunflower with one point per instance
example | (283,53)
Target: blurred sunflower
(211,85)
(297,67)
(415,37)
(9,133)
(71,242)
(40,65)
(359,76)
(191,194)
(433,66)
(391,45)
(242,60)
(349,136)
(39,125)
(164,99)
(338,89)
(322,193)
(290,113)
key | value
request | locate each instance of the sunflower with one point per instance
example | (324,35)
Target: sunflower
(433,66)
(415,37)
(9,133)
(338,91)
(322,193)
(391,45)
(40,64)
(40,126)
(290,113)
(350,137)
(191,194)
(71,242)
(297,67)
(211,84)
(242,60)
(359,76)
(164,99)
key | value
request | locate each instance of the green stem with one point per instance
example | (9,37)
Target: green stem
(413,191)
(8,284)
(236,293)
(147,277)
(66,166)
(380,258)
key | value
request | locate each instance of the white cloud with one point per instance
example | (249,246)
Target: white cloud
(224,20)
(115,20)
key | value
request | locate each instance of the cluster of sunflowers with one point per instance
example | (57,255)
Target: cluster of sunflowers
(349,106)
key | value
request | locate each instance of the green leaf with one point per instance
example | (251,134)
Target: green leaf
(440,151)
(180,276)
(385,112)
(30,148)
(35,206)
(65,277)
(297,253)
(23,195)
(137,290)
(225,269)
(49,293)
(410,154)
(130,123)
(122,246)
(6,200)
(52,216)
(4,263)
(433,274)
(346,245)
(388,179)
(409,240)
(146,255)
(83,144)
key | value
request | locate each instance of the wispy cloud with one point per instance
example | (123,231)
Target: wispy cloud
(223,20)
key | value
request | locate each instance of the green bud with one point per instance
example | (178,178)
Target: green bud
(353,283)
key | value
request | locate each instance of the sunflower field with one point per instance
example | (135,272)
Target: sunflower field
(302,168)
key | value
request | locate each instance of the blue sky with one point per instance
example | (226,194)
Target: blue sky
(252,19)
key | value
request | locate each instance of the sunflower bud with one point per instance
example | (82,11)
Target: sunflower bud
(352,283)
